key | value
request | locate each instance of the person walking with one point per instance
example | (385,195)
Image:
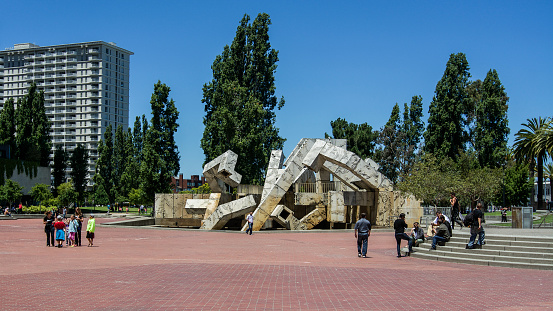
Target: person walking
(249,218)
(78,235)
(399,228)
(362,233)
(49,228)
(455,211)
(90,229)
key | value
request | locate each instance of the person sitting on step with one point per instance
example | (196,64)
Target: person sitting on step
(442,234)
(417,234)
(431,228)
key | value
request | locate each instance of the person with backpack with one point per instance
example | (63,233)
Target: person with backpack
(476,227)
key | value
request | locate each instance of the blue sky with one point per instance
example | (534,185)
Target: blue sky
(352,60)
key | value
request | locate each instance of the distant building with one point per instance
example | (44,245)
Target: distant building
(180,184)
(86,88)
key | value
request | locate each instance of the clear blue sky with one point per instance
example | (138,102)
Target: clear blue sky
(352,59)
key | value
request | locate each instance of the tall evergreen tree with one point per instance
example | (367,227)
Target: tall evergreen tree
(104,165)
(60,164)
(79,170)
(445,135)
(119,159)
(360,138)
(240,101)
(392,140)
(7,125)
(491,131)
(32,128)
(129,178)
(160,138)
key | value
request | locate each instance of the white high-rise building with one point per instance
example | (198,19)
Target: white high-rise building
(86,88)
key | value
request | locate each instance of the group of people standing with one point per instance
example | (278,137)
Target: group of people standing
(68,229)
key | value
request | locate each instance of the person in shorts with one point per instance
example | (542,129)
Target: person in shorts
(90,228)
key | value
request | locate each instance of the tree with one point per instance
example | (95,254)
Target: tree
(100,195)
(413,128)
(104,165)
(240,101)
(431,180)
(445,135)
(160,155)
(67,193)
(7,124)
(41,193)
(11,191)
(60,164)
(136,196)
(530,147)
(79,170)
(129,178)
(360,138)
(393,144)
(476,183)
(32,128)
(516,184)
(491,131)
(119,159)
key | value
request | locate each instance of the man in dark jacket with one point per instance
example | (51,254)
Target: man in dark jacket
(399,227)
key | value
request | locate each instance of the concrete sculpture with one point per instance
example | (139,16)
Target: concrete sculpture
(320,183)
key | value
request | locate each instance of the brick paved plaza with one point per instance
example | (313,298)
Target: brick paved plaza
(166,269)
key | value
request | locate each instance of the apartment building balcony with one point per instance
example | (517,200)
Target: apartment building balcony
(94,50)
(94,65)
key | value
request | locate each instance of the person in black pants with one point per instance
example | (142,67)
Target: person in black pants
(399,227)
(49,228)
(455,211)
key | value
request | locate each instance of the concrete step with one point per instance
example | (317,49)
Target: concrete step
(483,255)
(495,242)
(486,250)
(484,262)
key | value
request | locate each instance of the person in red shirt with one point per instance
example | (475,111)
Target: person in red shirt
(60,233)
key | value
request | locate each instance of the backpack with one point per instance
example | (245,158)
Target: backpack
(468,219)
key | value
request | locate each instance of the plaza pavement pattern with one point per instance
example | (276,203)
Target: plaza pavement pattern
(174,269)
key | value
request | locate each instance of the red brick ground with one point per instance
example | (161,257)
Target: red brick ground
(153,269)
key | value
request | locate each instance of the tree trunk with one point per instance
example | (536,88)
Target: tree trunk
(533,192)
(540,179)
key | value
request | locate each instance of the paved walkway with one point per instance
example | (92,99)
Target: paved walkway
(162,269)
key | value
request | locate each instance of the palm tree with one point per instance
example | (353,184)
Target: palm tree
(531,146)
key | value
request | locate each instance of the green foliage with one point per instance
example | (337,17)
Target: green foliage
(66,193)
(432,180)
(136,196)
(517,185)
(41,193)
(531,147)
(41,209)
(445,135)
(100,195)
(491,128)
(360,138)
(60,164)
(104,165)
(79,170)
(32,136)
(399,140)
(7,124)
(203,189)
(11,191)
(160,151)
(240,101)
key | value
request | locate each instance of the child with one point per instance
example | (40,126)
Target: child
(72,230)
(60,233)
(90,228)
